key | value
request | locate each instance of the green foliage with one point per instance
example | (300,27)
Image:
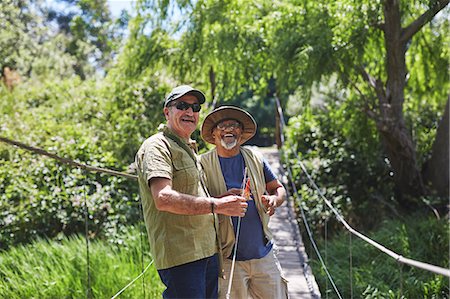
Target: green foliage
(28,47)
(40,197)
(58,269)
(93,37)
(40,42)
(375,275)
(133,112)
(340,151)
(428,83)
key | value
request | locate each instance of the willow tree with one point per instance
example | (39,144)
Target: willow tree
(391,53)
(390,92)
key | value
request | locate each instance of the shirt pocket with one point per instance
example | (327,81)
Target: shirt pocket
(185,176)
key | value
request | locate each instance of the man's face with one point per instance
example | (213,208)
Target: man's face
(227,134)
(182,122)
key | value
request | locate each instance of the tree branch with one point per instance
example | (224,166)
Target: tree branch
(415,26)
(375,83)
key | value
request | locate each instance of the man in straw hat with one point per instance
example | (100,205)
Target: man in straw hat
(179,216)
(257,271)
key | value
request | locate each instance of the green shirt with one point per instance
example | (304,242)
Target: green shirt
(174,239)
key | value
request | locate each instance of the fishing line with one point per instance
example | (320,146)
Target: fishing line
(230,282)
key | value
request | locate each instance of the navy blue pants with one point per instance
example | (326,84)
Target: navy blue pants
(198,279)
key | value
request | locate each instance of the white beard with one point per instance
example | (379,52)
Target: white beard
(230,145)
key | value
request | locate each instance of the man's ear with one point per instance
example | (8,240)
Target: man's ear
(166,112)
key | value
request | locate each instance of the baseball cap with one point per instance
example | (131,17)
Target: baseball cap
(182,90)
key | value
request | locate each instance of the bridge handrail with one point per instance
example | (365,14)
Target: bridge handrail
(66,160)
(86,167)
(340,218)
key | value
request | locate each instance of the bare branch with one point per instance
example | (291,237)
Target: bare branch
(415,26)
(367,101)
(371,80)
(375,83)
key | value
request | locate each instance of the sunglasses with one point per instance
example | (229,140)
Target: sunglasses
(233,126)
(185,106)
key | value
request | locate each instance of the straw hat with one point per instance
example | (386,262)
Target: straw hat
(224,113)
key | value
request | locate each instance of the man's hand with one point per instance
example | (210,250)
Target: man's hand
(270,203)
(231,205)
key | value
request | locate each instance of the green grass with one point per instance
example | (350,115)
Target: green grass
(58,269)
(375,274)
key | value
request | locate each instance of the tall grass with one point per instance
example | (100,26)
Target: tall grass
(373,274)
(58,269)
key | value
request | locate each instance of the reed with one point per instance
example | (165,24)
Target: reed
(58,269)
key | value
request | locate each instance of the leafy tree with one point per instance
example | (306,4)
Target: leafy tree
(28,47)
(367,45)
(93,36)
(374,47)
(38,41)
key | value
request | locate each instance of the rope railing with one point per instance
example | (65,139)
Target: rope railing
(70,162)
(399,258)
(294,188)
(133,281)
(66,160)
(310,234)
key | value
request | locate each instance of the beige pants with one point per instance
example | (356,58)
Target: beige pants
(257,279)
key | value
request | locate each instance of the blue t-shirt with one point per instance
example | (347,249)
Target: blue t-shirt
(252,243)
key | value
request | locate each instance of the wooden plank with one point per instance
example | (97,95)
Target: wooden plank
(291,252)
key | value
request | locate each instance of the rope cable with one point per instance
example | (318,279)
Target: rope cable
(86,230)
(350,248)
(401,279)
(309,231)
(66,160)
(326,248)
(340,218)
(131,282)
(141,215)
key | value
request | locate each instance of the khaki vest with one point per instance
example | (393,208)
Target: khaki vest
(216,186)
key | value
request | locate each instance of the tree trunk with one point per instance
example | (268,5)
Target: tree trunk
(277,129)
(436,170)
(212,81)
(396,138)
(402,155)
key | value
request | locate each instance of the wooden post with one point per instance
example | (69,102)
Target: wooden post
(277,128)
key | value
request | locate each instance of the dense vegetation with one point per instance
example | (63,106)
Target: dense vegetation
(89,87)
(363,271)
(58,269)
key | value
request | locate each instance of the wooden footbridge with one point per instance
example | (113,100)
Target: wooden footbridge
(291,252)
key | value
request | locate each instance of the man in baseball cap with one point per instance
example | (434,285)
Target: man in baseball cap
(179,215)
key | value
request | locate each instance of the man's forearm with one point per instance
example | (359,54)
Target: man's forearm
(184,204)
